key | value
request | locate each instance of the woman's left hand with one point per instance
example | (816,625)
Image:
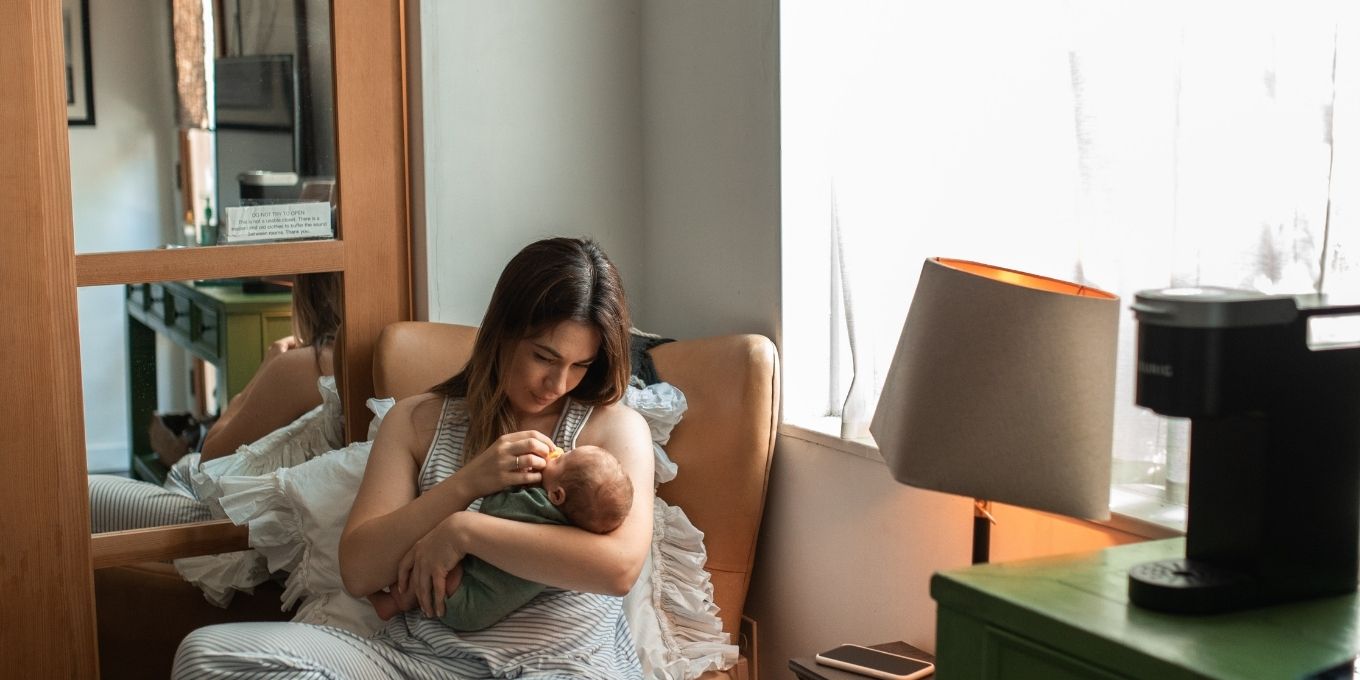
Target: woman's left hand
(425,568)
(280,346)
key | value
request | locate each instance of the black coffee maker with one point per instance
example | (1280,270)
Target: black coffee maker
(1274,510)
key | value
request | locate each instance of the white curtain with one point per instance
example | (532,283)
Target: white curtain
(1126,146)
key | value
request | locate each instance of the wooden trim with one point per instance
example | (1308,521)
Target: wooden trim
(216,262)
(186,177)
(46,565)
(371,134)
(47,626)
(371,138)
(118,548)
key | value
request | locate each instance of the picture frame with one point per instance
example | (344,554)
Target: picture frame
(255,92)
(75,25)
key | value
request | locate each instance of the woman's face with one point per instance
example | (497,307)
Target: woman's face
(545,367)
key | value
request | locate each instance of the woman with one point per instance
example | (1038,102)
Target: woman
(550,357)
(288,384)
(285,385)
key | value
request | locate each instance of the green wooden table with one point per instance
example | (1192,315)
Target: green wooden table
(1069,617)
(221,324)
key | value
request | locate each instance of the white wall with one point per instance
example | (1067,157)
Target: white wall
(711,152)
(122,186)
(650,126)
(532,128)
(846,554)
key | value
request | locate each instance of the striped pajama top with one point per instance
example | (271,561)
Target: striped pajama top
(560,633)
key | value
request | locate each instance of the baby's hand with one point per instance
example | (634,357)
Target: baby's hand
(405,599)
(395,600)
(454,579)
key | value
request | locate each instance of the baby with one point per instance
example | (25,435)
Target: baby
(586,488)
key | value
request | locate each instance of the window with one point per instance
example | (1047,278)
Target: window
(1128,147)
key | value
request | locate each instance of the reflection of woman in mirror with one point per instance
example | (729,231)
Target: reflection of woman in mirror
(288,412)
(548,368)
(284,386)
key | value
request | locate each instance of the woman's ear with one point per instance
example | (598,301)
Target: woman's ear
(557,495)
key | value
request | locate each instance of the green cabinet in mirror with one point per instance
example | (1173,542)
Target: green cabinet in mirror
(228,325)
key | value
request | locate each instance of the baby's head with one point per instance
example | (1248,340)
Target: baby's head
(590,487)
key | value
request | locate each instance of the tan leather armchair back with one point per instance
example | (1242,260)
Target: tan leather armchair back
(723,446)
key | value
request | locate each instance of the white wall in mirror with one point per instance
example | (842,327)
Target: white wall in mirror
(123,167)
(104,376)
(122,192)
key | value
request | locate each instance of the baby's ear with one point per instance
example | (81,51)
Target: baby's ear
(557,495)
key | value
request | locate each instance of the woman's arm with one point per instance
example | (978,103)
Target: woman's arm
(561,556)
(389,517)
(282,390)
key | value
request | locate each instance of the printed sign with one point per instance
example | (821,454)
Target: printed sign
(280,222)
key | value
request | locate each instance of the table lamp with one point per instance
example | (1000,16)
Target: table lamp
(1002,389)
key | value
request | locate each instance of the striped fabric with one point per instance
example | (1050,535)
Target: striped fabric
(446,452)
(559,634)
(119,503)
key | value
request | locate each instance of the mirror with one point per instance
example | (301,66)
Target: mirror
(230,89)
(183,376)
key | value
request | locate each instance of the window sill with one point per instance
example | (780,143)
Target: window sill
(1134,508)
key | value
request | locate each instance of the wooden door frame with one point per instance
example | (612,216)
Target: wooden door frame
(47,628)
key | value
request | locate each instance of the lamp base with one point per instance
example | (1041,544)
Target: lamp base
(1185,586)
(982,531)
(982,539)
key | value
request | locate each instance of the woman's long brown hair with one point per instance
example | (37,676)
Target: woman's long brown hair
(316,310)
(546,283)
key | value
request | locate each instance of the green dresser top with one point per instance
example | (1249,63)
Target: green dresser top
(1079,604)
(233,296)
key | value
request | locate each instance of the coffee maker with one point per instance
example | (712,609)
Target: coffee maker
(1274,509)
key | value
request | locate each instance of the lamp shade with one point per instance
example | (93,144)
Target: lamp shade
(1002,389)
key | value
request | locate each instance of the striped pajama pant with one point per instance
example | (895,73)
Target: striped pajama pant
(537,642)
(119,503)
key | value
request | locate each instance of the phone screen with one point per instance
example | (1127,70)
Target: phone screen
(872,658)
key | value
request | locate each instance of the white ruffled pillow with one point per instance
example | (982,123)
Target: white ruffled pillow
(220,576)
(379,407)
(315,432)
(661,405)
(670,609)
(295,517)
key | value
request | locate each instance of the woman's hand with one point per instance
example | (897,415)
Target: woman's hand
(280,346)
(514,459)
(406,599)
(430,570)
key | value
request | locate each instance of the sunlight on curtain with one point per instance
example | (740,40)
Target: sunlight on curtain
(1127,146)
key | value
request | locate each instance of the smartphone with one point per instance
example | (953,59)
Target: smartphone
(875,663)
